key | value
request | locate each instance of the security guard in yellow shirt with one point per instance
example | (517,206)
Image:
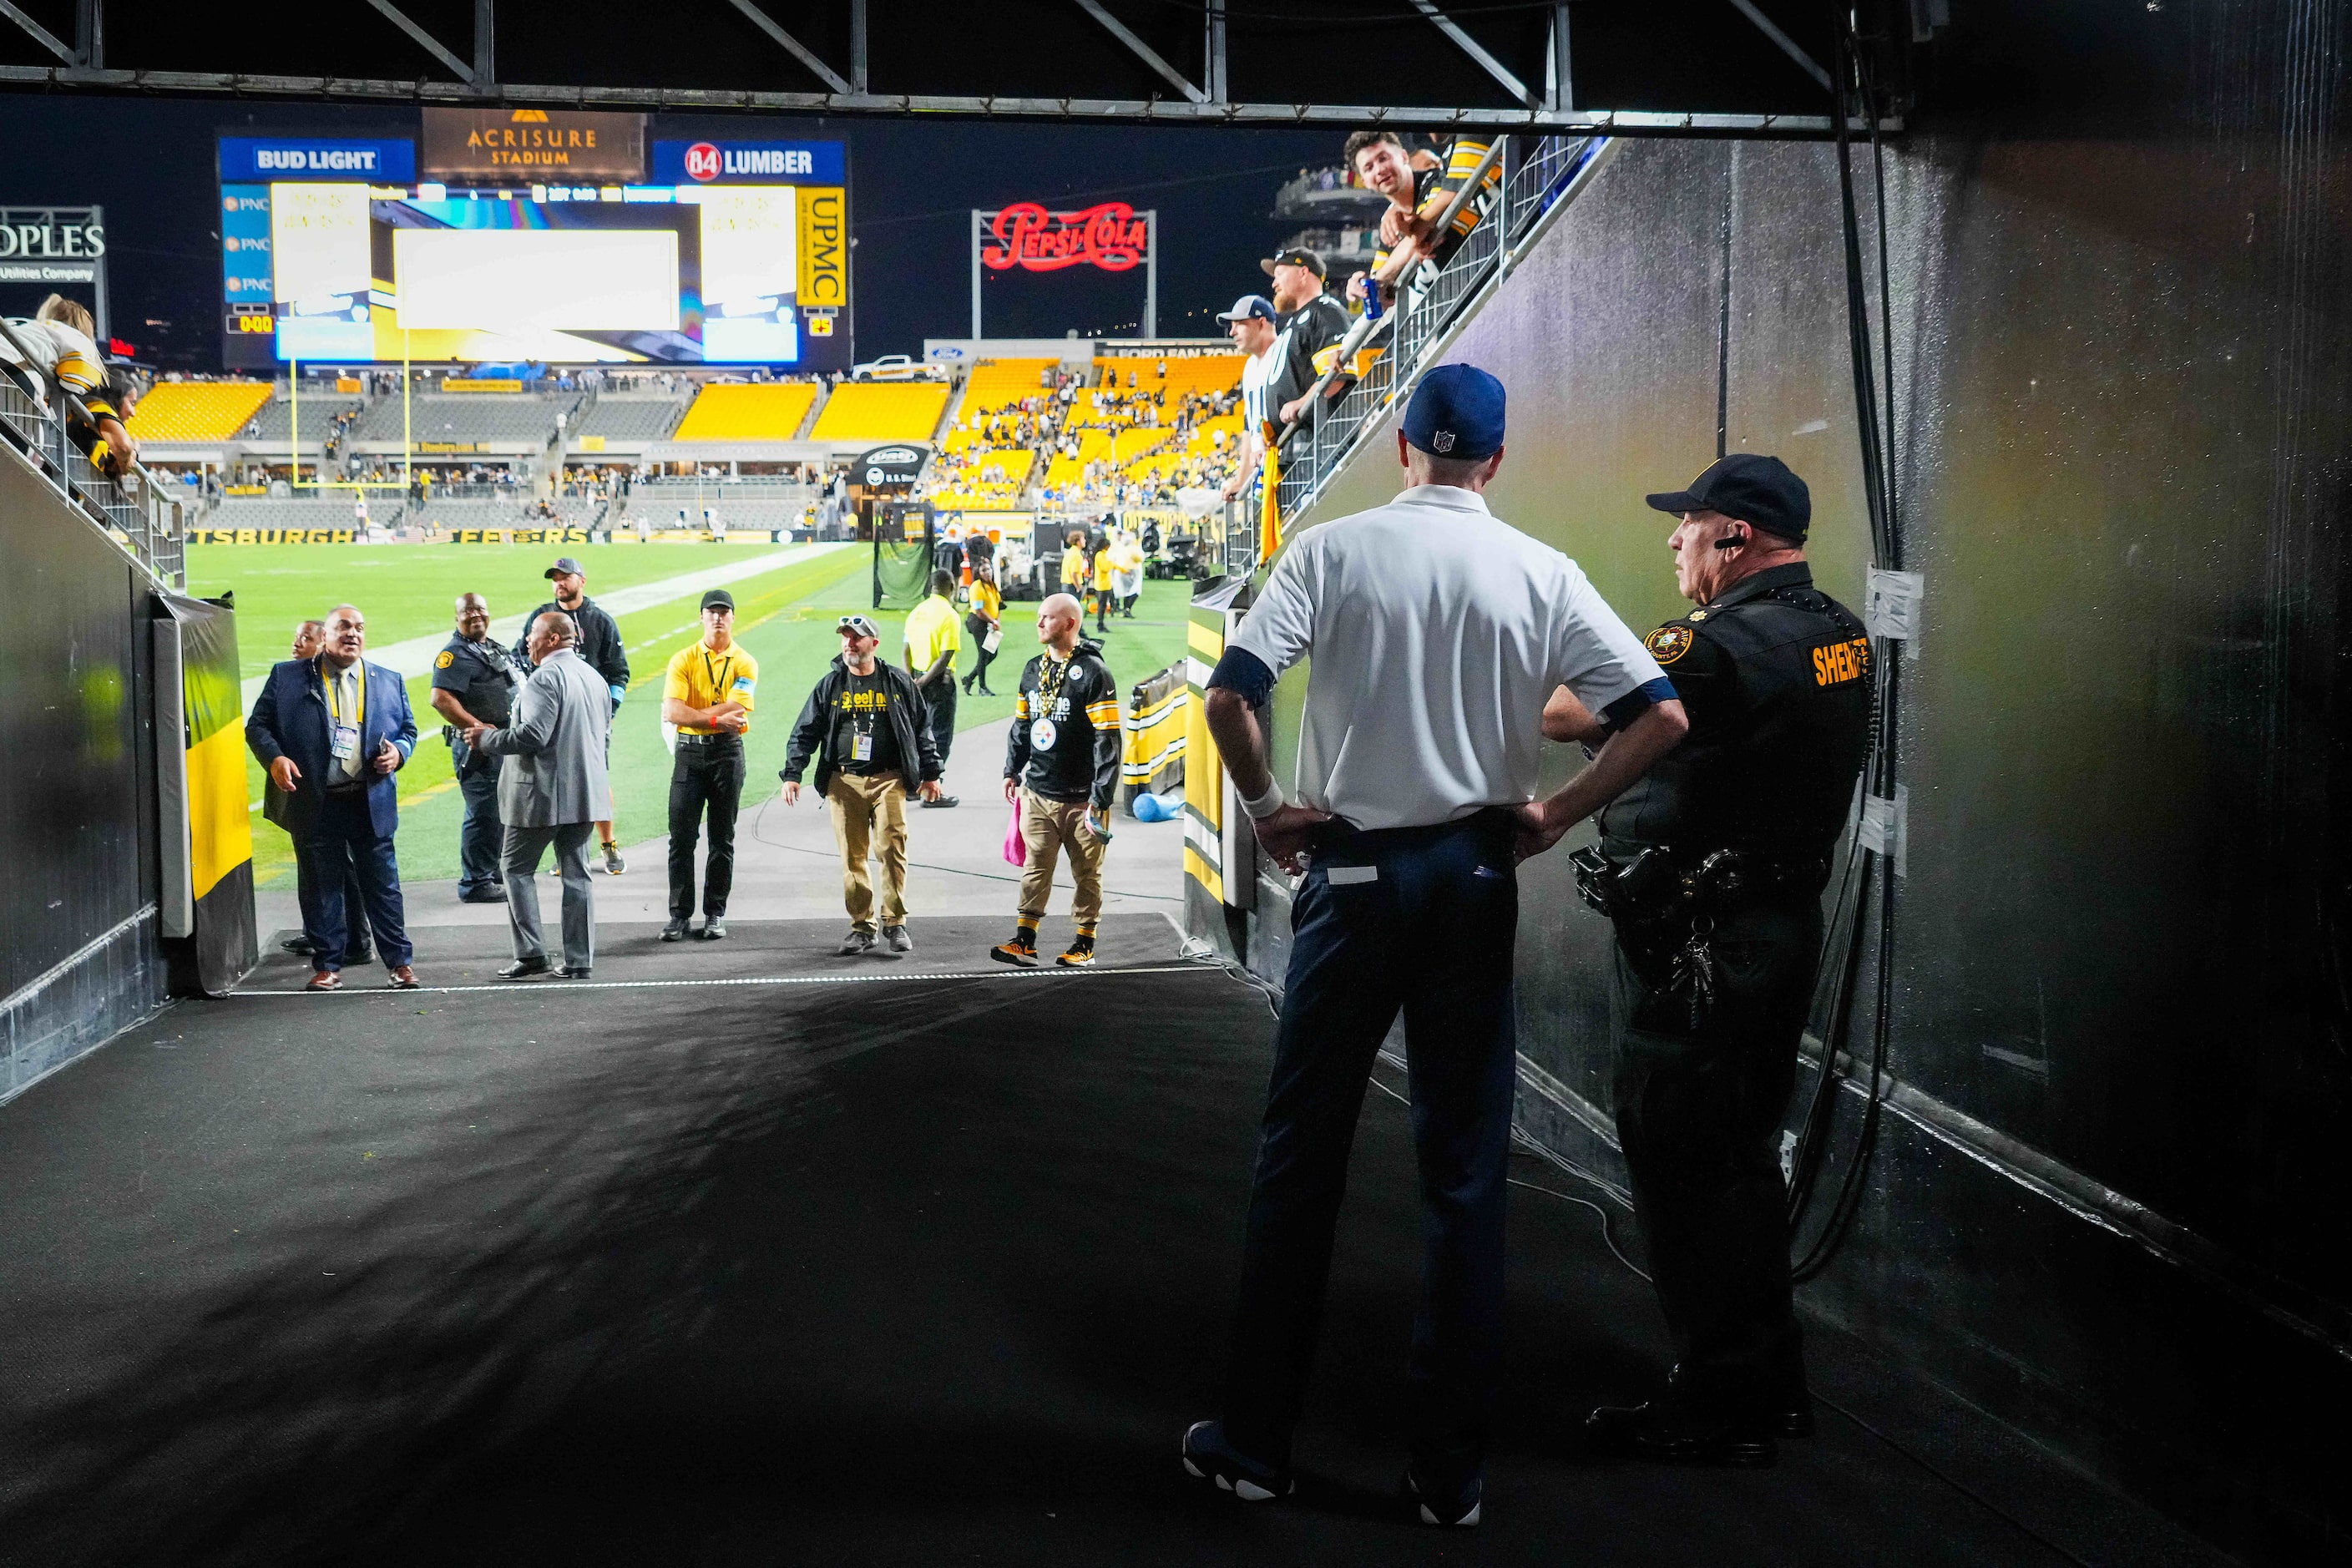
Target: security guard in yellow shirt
(934,638)
(707,695)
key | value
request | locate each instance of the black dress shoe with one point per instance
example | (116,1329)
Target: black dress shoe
(1674,1434)
(673,931)
(355,956)
(568,972)
(490,895)
(523,968)
(298,944)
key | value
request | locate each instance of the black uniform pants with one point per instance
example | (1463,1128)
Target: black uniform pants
(1699,1116)
(1418,920)
(940,703)
(707,777)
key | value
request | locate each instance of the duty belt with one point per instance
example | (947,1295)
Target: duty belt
(1666,879)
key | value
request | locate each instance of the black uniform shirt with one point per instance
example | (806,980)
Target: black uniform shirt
(863,708)
(1775,677)
(483,676)
(1313,328)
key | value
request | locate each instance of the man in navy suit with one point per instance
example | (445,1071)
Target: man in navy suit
(332,730)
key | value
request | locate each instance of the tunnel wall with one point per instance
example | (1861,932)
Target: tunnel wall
(80,953)
(2107,1199)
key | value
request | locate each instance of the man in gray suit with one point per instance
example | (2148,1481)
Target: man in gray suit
(552,787)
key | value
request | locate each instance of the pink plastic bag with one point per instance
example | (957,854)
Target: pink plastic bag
(1016,848)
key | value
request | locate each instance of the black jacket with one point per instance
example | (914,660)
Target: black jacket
(600,640)
(813,730)
(1082,764)
(1316,326)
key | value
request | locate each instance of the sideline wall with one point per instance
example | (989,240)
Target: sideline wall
(79,953)
(2107,1203)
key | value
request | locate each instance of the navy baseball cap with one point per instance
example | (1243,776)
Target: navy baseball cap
(1456,412)
(565,564)
(1247,307)
(718,599)
(1760,491)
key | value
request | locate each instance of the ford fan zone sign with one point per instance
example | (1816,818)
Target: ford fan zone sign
(1111,235)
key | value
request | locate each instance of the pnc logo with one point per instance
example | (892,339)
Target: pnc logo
(702,160)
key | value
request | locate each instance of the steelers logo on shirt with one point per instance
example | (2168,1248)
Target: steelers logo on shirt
(1668,643)
(444,660)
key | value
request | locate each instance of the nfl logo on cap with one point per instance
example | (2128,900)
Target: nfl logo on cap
(1442,441)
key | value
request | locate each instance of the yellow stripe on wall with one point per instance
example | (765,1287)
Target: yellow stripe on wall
(1200,871)
(220,832)
(1206,641)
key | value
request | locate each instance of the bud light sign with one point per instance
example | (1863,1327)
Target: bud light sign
(271,158)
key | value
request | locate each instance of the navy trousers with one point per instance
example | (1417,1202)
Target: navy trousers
(1420,920)
(343,843)
(481,839)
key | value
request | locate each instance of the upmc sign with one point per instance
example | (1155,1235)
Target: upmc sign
(1113,236)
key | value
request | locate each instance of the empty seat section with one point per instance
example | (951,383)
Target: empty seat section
(301,511)
(502,420)
(275,421)
(747,411)
(628,419)
(881,411)
(197,410)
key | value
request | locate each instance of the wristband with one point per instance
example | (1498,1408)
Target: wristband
(1263,805)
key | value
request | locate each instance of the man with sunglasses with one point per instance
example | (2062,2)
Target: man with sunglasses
(868,727)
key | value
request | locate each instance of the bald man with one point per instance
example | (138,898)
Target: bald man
(332,730)
(474,682)
(1061,768)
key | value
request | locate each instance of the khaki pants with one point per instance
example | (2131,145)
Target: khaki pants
(1048,827)
(860,806)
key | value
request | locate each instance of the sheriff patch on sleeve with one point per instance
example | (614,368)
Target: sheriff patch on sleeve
(1668,643)
(444,660)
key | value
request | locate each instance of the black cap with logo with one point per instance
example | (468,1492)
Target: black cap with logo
(718,599)
(1294,257)
(1760,491)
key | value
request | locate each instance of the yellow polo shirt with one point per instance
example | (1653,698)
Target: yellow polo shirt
(932,630)
(701,678)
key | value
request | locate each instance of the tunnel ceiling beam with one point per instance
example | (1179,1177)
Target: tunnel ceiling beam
(1142,51)
(791,45)
(423,41)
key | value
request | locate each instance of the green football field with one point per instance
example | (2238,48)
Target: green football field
(784,617)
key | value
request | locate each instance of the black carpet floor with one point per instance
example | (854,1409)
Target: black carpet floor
(902,1272)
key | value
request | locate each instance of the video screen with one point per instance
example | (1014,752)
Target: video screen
(345,269)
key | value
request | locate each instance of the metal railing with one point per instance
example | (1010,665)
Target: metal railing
(1538,177)
(135,511)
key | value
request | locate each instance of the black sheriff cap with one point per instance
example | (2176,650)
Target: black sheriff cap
(1760,491)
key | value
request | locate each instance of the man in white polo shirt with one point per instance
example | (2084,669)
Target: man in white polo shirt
(1437,634)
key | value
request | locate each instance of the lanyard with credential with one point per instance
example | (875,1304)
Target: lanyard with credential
(334,705)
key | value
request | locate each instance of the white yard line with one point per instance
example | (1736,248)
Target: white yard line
(415,656)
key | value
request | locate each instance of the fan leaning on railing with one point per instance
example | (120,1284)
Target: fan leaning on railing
(66,437)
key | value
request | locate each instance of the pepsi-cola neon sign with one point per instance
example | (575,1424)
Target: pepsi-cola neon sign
(1110,235)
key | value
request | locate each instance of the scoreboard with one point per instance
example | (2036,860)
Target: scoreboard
(668,252)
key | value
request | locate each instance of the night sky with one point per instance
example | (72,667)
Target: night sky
(912,184)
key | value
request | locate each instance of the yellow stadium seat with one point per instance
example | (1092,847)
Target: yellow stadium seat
(197,410)
(747,411)
(882,410)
